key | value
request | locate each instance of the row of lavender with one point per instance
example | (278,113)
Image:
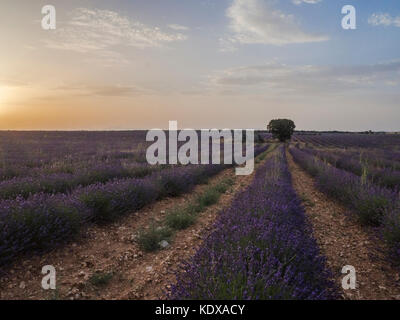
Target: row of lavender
(350,140)
(32,154)
(58,162)
(42,221)
(70,164)
(25,153)
(380,171)
(375,157)
(64,182)
(373,205)
(261,248)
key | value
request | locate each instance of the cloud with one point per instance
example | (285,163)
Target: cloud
(297,2)
(257,22)
(384,19)
(105,90)
(178,27)
(227,44)
(275,77)
(91,30)
(13,82)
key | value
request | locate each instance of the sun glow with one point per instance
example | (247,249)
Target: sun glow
(4,97)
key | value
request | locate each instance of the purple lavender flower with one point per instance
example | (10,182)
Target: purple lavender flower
(261,248)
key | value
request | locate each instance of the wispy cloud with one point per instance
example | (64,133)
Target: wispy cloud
(258,22)
(384,19)
(13,82)
(105,90)
(178,27)
(227,44)
(307,78)
(297,2)
(91,30)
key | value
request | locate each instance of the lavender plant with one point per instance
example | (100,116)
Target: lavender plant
(261,248)
(373,205)
(360,164)
(388,143)
(66,182)
(369,201)
(43,221)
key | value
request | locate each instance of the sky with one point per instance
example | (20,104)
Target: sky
(129,64)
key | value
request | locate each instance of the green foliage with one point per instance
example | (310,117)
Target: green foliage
(209,197)
(307,201)
(281,129)
(100,202)
(258,138)
(372,209)
(100,278)
(180,219)
(149,240)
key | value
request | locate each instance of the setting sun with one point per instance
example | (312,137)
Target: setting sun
(6,95)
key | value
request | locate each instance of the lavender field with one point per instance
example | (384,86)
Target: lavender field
(260,240)
(262,246)
(361,171)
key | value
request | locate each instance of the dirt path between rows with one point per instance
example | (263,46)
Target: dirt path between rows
(113,249)
(345,242)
